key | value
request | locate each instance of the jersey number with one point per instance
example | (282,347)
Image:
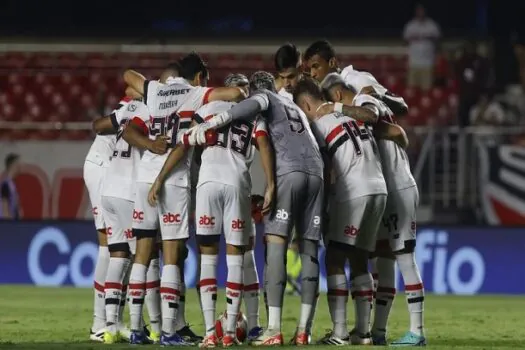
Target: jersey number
(237,135)
(355,132)
(294,119)
(390,223)
(125,153)
(165,126)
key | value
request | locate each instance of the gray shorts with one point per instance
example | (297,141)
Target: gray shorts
(299,203)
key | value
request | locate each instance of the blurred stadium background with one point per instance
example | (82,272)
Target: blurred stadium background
(61,65)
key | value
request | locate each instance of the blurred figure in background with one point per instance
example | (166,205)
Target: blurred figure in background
(473,73)
(10,207)
(487,112)
(421,33)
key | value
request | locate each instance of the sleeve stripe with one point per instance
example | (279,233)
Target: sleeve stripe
(145,88)
(140,123)
(333,134)
(206,96)
(260,133)
(208,117)
(113,118)
(186,114)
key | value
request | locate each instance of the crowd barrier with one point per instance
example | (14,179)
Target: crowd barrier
(452,260)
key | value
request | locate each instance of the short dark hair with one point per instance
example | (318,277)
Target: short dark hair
(287,56)
(10,159)
(191,64)
(322,48)
(262,80)
(308,86)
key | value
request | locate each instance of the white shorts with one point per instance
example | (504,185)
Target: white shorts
(93,177)
(118,214)
(399,220)
(170,215)
(356,222)
(225,208)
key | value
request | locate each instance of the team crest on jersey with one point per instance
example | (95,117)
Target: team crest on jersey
(132,107)
(502,184)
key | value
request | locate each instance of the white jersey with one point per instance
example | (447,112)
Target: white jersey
(103,146)
(355,159)
(229,161)
(122,172)
(359,79)
(171,108)
(396,166)
(286,94)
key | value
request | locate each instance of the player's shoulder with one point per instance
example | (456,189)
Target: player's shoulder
(285,94)
(327,121)
(214,107)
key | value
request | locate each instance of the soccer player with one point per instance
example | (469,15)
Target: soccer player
(398,228)
(321,60)
(118,195)
(171,107)
(358,203)
(288,65)
(95,165)
(223,204)
(299,200)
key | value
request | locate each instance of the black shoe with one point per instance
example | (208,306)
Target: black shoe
(187,334)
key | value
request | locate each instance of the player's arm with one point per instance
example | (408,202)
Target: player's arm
(135,80)
(104,126)
(175,156)
(396,103)
(248,109)
(133,93)
(393,132)
(267,159)
(135,135)
(5,201)
(233,94)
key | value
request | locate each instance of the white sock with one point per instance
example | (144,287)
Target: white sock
(124,293)
(306,311)
(169,292)
(251,290)
(153,294)
(137,291)
(310,323)
(181,315)
(117,268)
(234,289)
(374,271)
(274,318)
(414,290)
(99,302)
(362,291)
(337,300)
(385,293)
(208,290)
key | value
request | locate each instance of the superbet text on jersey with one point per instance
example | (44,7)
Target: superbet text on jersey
(171,107)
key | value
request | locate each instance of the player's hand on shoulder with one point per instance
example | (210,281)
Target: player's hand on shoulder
(196,136)
(159,145)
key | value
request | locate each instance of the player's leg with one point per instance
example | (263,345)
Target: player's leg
(337,281)
(308,227)
(174,228)
(403,246)
(278,227)
(208,218)
(237,233)
(251,289)
(145,227)
(365,215)
(152,297)
(116,214)
(93,176)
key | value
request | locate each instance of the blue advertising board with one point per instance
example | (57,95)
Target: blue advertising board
(455,260)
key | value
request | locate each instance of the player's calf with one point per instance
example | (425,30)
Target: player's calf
(99,306)
(251,291)
(335,260)
(234,289)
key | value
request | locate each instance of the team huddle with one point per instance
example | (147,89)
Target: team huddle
(336,174)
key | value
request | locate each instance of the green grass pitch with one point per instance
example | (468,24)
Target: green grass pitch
(59,318)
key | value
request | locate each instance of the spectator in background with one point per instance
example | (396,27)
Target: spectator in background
(487,112)
(9,206)
(422,34)
(473,73)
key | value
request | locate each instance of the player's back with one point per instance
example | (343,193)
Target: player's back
(294,144)
(229,160)
(354,156)
(396,166)
(171,107)
(122,172)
